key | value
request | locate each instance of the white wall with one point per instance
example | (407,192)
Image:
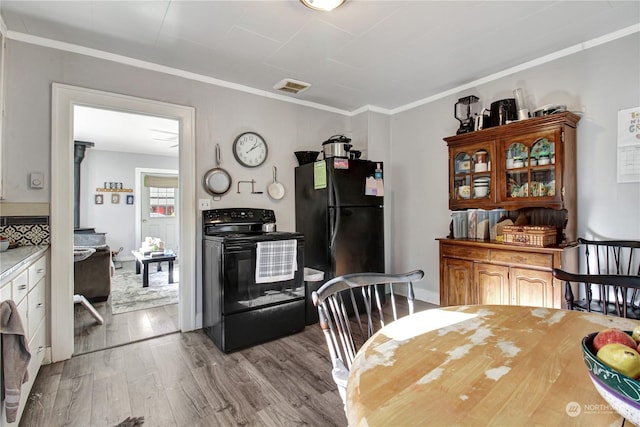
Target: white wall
(371,133)
(221,115)
(117,220)
(602,80)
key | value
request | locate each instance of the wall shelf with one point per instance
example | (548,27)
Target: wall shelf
(109,190)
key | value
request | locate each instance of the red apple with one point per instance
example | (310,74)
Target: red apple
(613,335)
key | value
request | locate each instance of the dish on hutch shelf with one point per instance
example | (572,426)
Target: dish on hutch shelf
(538,189)
(463,166)
(481,167)
(519,190)
(541,146)
(551,188)
(480,191)
(464,191)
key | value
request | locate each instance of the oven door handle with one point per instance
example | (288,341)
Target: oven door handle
(239,247)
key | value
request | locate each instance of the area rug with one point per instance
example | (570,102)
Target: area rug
(127,293)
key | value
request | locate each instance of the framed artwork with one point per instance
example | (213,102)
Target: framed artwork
(115,199)
(99,199)
(129,199)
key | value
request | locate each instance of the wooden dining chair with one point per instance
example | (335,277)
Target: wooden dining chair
(611,256)
(351,311)
(603,258)
(616,294)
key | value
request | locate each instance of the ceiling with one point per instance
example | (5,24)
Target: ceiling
(126,132)
(383,55)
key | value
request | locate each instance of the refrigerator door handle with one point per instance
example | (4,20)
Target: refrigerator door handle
(334,229)
(334,194)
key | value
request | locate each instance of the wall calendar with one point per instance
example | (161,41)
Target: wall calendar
(629,145)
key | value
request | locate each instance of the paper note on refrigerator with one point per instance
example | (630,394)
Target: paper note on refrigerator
(319,175)
(370,187)
(379,187)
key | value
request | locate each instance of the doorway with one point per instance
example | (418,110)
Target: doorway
(64,98)
(115,144)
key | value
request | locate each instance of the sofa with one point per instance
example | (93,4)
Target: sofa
(92,275)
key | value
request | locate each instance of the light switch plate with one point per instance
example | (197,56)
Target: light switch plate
(36,180)
(204,204)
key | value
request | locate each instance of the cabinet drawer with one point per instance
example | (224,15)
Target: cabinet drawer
(36,307)
(20,287)
(37,347)
(5,291)
(522,258)
(465,252)
(37,271)
(23,309)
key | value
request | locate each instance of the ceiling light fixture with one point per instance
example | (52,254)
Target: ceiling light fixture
(324,5)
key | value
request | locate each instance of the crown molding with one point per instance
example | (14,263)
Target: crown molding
(95,53)
(68,47)
(524,66)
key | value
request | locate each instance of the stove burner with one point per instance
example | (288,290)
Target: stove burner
(237,222)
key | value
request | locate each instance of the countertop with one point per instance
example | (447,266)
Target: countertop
(12,260)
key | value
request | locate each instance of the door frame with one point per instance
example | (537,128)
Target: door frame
(64,98)
(138,190)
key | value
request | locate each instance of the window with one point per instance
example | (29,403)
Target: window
(162,202)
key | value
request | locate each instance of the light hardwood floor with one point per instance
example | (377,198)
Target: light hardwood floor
(124,328)
(182,379)
(119,329)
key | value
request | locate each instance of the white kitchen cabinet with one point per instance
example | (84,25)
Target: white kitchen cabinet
(27,287)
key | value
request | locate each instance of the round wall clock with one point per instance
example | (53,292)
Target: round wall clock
(250,149)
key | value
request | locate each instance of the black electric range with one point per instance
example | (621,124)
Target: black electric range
(237,311)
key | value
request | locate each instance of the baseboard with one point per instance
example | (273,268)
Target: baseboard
(420,294)
(427,296)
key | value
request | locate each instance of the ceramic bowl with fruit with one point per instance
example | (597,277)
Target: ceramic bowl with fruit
(613,362)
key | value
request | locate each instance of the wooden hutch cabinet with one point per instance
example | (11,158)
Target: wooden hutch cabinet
(528,168)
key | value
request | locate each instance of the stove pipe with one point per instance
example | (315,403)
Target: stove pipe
(78,155)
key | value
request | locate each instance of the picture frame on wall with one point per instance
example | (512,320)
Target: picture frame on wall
(129,199)
(99,199)
(115,199)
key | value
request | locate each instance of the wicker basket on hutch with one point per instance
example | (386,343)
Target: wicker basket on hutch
(530,235)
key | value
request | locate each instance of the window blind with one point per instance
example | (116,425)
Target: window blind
(159,181)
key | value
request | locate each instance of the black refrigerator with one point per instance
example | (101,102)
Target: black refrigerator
(342,226)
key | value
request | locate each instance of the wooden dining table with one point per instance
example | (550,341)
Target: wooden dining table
(477,366)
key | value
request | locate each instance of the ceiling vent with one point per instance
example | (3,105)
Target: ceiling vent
(292,86)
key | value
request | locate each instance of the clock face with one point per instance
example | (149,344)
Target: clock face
(250,149)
